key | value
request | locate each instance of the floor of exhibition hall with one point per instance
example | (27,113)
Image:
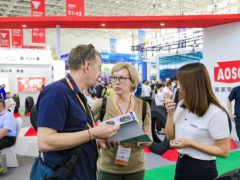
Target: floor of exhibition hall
(157,167)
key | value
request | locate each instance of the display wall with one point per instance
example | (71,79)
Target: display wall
(222,59)
(31,66)
(68,41)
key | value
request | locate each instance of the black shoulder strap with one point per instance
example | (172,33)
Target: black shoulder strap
(103,108)
(64,171)
(76,153)
(144,110)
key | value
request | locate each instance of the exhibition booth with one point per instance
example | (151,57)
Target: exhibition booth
(110,59)
(24,71)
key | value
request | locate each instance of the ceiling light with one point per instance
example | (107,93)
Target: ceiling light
(103,24)
(162,24)
(24,25)
(117,2)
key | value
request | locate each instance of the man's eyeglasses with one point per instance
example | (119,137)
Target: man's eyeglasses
(120,79)
(90,47)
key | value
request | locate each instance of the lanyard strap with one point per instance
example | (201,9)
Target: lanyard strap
(71,86)
(117,107)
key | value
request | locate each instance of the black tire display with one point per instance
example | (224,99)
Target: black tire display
(33,117)
(150,100)
(17,100)
(29,103)
(159,117)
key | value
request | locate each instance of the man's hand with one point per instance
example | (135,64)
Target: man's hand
(107,145)
(180,143)
(232,117)
(104,131)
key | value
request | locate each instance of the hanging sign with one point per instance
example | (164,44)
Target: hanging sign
(75,7)
(38,10)
(5,38)
(38,35)
(17,38)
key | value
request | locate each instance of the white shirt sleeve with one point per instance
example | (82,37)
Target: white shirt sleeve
(161,96)
(11,101)
(218,126)
(149,88)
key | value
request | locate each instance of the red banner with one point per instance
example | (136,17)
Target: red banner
(5,38)
(227,72)
(38,35)
(17,37)
(30,84)
(38,8)
(75,7)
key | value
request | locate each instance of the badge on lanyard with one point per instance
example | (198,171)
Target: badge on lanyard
(123,155)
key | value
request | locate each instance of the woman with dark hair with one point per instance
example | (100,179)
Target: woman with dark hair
(198,127)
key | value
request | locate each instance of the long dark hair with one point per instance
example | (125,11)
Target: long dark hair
(196,88)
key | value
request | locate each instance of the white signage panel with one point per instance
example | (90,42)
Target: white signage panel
(25,56)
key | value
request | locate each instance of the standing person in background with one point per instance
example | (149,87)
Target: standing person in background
(110,90)
(175,91)
(99,90)
(3,93)
(235,117)
(9,102)
(167,80)
(146,89)
(138,92)
(198,128)
(159,97)
(168,90)
(174,83)
(152,86)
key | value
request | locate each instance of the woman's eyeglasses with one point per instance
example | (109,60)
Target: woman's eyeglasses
(120,79)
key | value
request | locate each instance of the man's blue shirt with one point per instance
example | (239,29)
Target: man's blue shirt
(7,121)
(235,95)
(138,93)
(2,91)
(60,109)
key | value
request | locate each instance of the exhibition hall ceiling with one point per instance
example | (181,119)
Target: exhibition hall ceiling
(16,8)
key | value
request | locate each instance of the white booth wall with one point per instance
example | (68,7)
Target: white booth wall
(221,44)
(69,41)
(30,68)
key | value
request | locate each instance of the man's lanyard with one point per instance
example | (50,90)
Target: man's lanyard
(71,86)
(117,108)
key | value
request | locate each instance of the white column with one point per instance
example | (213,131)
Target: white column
(58,42)
(157,67)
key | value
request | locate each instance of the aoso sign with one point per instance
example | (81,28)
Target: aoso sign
(227,72)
